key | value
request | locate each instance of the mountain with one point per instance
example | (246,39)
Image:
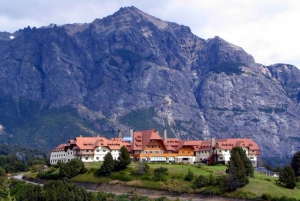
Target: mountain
(131,69)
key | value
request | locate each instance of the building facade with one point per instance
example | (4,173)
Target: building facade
(149,146)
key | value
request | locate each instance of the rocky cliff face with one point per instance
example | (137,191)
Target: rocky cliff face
(131,69)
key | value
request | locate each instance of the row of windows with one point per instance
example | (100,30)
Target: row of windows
(62,160)
(154,146)
(59,155)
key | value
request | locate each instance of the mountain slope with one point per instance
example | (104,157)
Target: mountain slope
(131,69)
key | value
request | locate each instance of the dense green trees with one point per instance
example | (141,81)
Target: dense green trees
(108,165)
(287,177)
(71,168)
(123,159)
(2,172)
(237,172)
(4,190)
(12,164)
(56,191)
(295,163)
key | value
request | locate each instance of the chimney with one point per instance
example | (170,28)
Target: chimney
(98,135)
(213,142)
(80,135)
(131,132)
(165,135)
(119,133)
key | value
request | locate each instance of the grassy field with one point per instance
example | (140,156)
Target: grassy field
(257,186)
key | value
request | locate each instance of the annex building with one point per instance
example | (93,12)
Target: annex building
(149,146)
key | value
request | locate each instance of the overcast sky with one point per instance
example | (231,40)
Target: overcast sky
(266,29)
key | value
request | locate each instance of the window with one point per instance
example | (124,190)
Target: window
(97,150)
(220,151)
(188,152)
(97,158)
(104,150)
(86,158)
(225,150)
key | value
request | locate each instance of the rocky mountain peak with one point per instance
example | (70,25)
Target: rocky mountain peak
(131,69)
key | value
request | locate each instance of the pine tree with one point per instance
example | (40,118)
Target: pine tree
(287,176)
(237,173)
(123,159)
(108,165)
(295,163)
(247,163)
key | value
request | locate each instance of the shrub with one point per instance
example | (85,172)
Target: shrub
(160,174)
(189,176)
(142,168)
(71,168)
(200,181)
(266,196)
(212,190)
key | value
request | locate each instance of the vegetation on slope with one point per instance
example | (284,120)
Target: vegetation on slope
(28,124)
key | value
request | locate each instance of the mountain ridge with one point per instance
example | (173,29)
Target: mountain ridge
(131,69)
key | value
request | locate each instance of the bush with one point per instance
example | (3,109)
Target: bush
(142,168)
(160,174)
(120,176)
(266,196)
(189,176)
(43,175)
(71,168)
(212,190)
(200,181)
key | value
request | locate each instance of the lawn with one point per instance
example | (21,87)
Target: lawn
(183,169)
(95,165)
(259,187)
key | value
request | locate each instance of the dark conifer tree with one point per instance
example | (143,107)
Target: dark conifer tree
(237,173)
(123,159)
(108,165)
(247,163)
(295,163)
(287,176)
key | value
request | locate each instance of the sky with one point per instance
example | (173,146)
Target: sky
(266,29)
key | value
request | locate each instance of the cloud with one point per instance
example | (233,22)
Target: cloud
(266,29)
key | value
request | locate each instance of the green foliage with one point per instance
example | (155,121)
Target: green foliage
(295,163)
(108,165)
(4,190)
(266,196)
(12,164)
(160,174)
(123,159)
(142,168)
(212,180)
(2,172)
(31,192)
(121,175)
(287,177)
(71,168)
(200,181)
(189,176)
(33,125)
(247,163)
(237,173)
(56,191)
(228,68)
